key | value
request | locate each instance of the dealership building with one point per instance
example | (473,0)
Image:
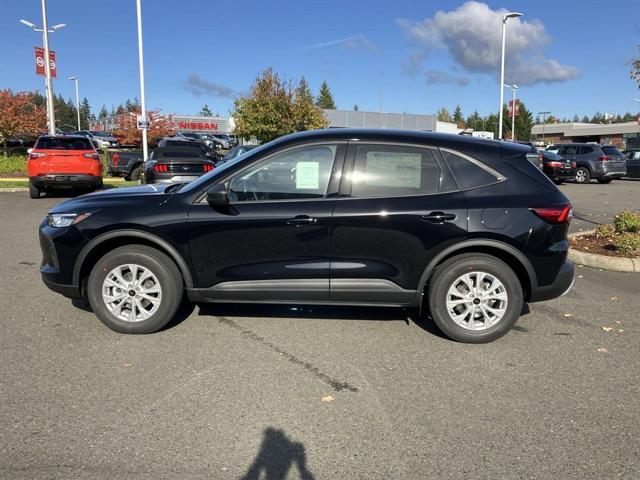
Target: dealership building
(336,118)
(622,135)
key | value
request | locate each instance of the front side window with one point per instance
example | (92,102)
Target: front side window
(390,171)
(300,173)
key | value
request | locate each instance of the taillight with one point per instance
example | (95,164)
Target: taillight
(559,214)
(161,168)
(555,164)
(115,158)
(207,168)
(573,165)
(95,156)
(604,158)
(36,155)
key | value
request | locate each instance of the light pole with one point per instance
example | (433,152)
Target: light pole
(143,108)
(48,86)
(75,79)
(544,116)
(513,88)
(505,17)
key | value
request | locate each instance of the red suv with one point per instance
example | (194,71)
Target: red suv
(59,161)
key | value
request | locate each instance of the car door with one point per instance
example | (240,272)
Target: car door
(633,164)
(274,242)
(398,206)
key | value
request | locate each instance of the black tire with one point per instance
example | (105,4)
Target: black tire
(166,272)
(449,271)
(604,180)
(557,181)
(583,175)
(34,192)
(134,175)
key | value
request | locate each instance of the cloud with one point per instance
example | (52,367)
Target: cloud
(471,35)
(437,77)
(350,43)
(199,87)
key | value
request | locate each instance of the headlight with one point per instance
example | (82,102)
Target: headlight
(61,220)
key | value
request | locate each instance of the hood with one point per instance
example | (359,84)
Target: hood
(127,196)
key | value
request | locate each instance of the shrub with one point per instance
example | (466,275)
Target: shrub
(605,231)
(627,221)
(13,166)
(628,243)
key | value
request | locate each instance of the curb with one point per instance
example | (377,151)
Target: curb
(13,190)
(614,264)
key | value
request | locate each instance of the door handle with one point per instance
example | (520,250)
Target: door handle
(439,217)
(302,220)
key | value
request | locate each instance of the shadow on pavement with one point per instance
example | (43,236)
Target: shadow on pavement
(277,455)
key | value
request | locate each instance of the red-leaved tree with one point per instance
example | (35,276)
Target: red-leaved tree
(127,131)
(20,116)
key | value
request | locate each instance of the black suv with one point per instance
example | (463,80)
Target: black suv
(464,229)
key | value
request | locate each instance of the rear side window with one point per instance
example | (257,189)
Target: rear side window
(390,170)
(611,151)
(583,150)
(467,173)
(59,143)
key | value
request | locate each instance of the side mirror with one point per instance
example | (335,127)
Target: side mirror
(218,197)
(29,150)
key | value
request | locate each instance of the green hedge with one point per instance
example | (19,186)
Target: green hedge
(13,166)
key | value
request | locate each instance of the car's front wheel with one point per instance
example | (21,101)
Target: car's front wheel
(583,175)
(475,298)
(135,289)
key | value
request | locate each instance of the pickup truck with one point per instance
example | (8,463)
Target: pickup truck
(124,163)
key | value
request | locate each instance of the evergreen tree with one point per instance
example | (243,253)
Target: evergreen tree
(306,115)
(628,117)
(576,118)
(457,117)
(103,114)
(325,98)
(524,122)
(474,121)
(585,119)
(205,112)
(86,117)
(355,108)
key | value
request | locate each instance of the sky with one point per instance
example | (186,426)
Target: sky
(568,57)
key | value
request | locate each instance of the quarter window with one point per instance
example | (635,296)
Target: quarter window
(301,173)
(467,173)
(389,170)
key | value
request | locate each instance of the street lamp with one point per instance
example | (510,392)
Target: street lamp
(75,79)
(505,17)
(544,115)
(145,154)
(47,66)
(513,88)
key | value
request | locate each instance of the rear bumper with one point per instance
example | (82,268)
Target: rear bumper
(66,179)
(561,285)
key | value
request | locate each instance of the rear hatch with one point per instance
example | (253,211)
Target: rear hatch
(185,163)
(64,155)
(614,157)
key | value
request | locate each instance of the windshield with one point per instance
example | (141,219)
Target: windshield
(221,168)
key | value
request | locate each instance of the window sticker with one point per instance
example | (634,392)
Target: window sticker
(307,175)
(397,169)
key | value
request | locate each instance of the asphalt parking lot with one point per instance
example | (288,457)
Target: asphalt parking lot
(286,392)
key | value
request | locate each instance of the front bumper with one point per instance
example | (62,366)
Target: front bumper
(66,180)
(60,247)
(561,285)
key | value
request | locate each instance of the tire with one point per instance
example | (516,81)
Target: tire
(34,192)
(444,281)
(583,175)
(557,181)
(604,180)
(134,175)
(165,275)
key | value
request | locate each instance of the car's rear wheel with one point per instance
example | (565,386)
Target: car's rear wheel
(475,298)
(583,175)
(557,181)
(34,192)
(604,180)
(135,289)
(134,175)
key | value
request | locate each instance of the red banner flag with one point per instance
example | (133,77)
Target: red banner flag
(40,70)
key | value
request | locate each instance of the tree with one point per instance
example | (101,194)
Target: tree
(273,109)
(306,115)
(634,73)
(355,108)
(458,118)
(443,115)
(205,112)
(20,116)
(325,98)
(86,117)
(524,122)
(474,120)
(126,127)
(576,118)
(585,119)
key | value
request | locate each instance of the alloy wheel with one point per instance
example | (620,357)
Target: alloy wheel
(132,292)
